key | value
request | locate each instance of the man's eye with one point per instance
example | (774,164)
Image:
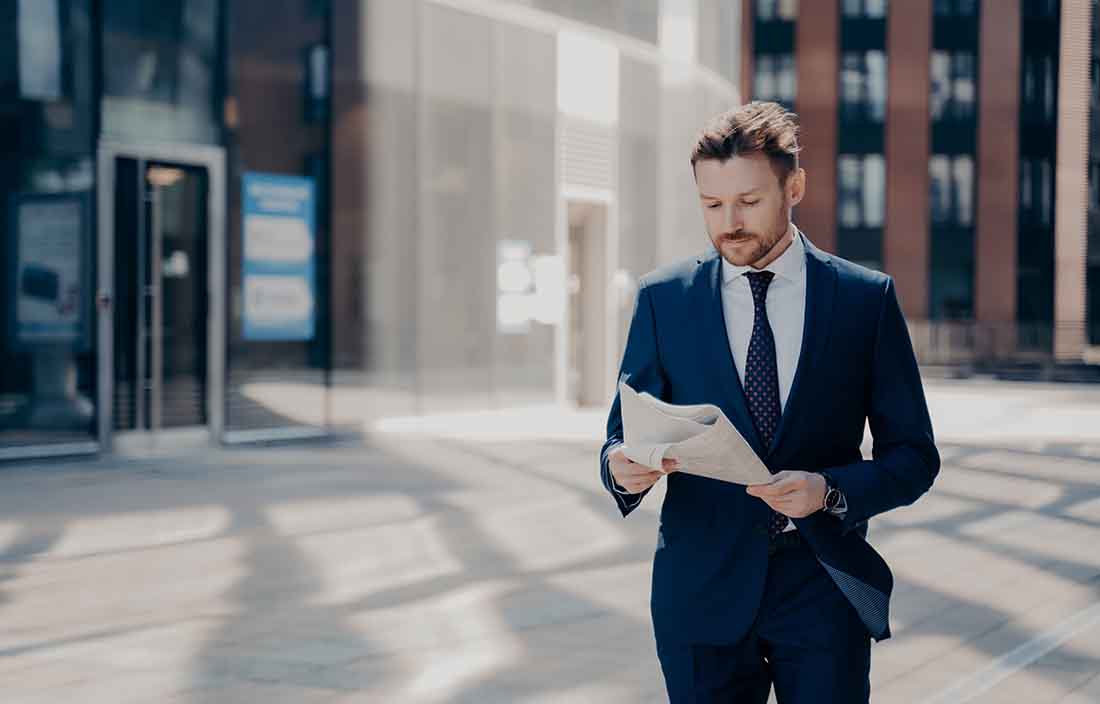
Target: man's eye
(750,202)
(713,205)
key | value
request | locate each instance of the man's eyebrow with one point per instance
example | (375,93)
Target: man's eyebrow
(744,193)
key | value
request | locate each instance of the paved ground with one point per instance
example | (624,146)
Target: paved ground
(475,558)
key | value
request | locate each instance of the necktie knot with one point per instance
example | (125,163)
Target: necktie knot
(758,282)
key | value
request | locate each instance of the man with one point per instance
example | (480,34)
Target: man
(772,584)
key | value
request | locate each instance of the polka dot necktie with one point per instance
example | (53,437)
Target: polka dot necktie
(762,377)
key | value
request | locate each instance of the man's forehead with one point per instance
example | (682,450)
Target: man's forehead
(736,176)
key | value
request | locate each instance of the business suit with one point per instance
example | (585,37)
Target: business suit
(856,363)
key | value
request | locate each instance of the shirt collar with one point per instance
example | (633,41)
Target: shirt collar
(790,265)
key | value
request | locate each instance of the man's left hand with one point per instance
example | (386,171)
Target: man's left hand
(793,493)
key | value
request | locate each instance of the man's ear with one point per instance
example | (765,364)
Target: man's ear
(796,186)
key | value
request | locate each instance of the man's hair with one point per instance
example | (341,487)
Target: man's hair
(753,128)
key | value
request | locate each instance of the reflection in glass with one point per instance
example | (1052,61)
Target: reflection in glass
(876,85)
(939,174)
(874,190)
(765,81)
(767,10)
(160,69)
(786,81)
(849,191)
(872,9)
(1038,89)
(940,89)
(951,183)
(862,190)
(278,379)
(851,83)
(963,172)
(962,93)
(47,350)
(952,85)
(1046,192)
(875,8)
(39,31)
(863,86)
(955,8)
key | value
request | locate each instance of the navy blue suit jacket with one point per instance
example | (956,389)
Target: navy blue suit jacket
(856,363)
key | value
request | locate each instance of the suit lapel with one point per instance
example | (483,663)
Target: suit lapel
(714,341)
(820,293)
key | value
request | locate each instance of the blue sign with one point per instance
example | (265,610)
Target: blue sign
(49,272)
(278,270)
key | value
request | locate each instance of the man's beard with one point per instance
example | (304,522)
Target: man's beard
(758,249)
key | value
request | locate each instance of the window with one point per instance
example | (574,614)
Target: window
(1036,192)
(1094,187)
(776,10)
(1039,87)
(775,78)
(951,195)
(952,91)
(1040,8)
(863,86)
(962,172)
(861,190)
(873,9)
(955,8)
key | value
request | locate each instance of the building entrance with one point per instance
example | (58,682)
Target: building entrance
(161,293)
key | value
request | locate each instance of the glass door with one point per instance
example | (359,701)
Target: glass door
(161,295)
(161,214)
(160,350)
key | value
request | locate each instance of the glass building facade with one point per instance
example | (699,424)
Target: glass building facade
(861,158)
(236,220)
(997,270)
(952,186)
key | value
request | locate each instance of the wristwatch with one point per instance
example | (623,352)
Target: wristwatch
(835,502)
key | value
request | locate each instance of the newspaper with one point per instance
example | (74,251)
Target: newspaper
(700,438)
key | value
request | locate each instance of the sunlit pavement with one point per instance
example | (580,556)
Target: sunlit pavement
(475,558)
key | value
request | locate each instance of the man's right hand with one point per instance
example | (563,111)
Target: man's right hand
(634,477)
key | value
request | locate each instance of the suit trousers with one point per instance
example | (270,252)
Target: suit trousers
(806,640)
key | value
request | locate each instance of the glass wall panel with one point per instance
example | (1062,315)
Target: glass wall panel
(47,262)
(457,258)
(635,18)
(162,69)
(639,199)
(278,354)
(524,95)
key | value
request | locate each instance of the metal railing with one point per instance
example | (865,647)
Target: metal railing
(982,345)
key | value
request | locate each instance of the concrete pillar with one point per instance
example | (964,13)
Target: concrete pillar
(1071,180)
(906,237)
(998,165)
(817,47)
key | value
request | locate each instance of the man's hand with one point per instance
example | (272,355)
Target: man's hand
(636,477)
(793,493)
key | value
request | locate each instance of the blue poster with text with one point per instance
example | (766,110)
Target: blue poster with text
(278,268)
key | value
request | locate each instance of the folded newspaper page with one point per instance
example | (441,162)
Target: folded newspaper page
(700,438)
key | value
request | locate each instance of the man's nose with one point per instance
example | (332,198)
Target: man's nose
(731,218)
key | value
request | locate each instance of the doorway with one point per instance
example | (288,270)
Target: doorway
(586,378)
(161,258)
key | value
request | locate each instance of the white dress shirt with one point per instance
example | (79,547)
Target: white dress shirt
(786,306)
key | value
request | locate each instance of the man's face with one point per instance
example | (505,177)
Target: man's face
(745,208)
